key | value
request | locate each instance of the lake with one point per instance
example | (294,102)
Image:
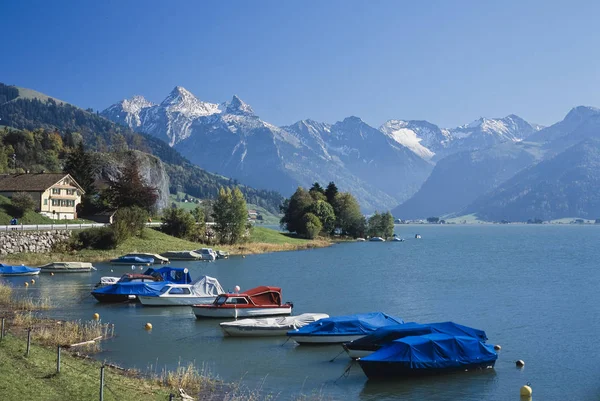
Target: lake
(533,289)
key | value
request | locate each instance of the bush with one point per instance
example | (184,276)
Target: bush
(178,223)
(97,238)
(129,222)
(312,225)
(22,202)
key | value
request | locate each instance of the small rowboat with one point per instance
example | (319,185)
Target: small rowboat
(270,326)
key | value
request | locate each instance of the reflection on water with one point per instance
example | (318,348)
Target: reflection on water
(533,289)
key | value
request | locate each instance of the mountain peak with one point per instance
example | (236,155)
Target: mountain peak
(238,106)
(136,103)
(178,95)
(582,112)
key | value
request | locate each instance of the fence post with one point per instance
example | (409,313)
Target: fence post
(102,382)
(2,330)
(58,359)
(28,341)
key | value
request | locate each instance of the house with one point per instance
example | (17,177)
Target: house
(56,194)
(252,214)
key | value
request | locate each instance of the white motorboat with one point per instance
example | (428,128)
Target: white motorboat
(182,255)
(200,292)
(376,239)
(67,267)
(207,254)
(360,240)
(271,326)
(157,258)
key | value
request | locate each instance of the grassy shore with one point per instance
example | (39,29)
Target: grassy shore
(263,240)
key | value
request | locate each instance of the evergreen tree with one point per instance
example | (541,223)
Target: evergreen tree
(79,165)
(129,189)
(331,192)
(297,206)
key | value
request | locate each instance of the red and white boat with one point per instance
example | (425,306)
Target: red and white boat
(259,301)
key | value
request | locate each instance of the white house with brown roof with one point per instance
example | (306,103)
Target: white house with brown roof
(56,194)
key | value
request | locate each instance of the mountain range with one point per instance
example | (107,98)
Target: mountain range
(382,167)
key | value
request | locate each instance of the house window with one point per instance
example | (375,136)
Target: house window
(70,191)
(55,202)
(55,191)
(45,202)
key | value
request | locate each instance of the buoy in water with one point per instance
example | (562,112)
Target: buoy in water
(526,391)
(32,281)
(243,256)
(52,273)
(497,347)
(520,363)
(26,284)
(96,316)
(148,326)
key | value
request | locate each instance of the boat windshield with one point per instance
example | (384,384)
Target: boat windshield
(220,300)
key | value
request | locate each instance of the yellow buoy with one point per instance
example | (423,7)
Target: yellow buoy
(32,281)
(96,316)
(497,347)
(148,326)
(520,363)
(26,284)
(526,391)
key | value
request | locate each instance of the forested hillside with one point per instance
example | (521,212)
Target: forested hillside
(44,122)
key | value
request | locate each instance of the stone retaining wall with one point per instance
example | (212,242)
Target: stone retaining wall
(31,241)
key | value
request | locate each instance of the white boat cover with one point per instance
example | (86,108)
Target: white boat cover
(108,280)
(149,255)
(291,322)
(206,286)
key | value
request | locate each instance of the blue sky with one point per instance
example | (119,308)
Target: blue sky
(448,62)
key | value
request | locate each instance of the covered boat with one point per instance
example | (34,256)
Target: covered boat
(428,354)
(132,260)
(270,326)
(202,291)
(207,254)
(132,285)
(259,301)
(157,258)
(22,270)
(341,329)
(371,343)
(182,255)
(376,239)
(67,267)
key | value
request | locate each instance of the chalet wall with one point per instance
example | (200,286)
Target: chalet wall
(31,241)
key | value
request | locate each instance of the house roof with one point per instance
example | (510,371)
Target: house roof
(38,182)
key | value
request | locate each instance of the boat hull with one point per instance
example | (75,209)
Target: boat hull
(325,339)
(113,298)
(389,370)
(175,301)
(219,312)
(20,274)
(237,331)
(357,353)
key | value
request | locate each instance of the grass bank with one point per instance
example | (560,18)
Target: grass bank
(263,240)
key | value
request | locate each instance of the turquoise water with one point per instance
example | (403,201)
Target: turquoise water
(533,289)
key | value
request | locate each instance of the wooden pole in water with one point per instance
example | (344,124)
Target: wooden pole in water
(28,341)
(58,359)
(102,383)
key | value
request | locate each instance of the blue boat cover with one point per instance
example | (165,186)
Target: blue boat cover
(134,288)
(133,260)
(434,351)
(363,323)
(175,275)
(8,269)
(387,334)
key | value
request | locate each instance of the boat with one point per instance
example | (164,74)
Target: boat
(202,291)
(395,238)
(207,253)
(373,342)
(107,280)
(259,301)
(150,282)
(270,326)
(342,329)
(157,258)
(428,354)
(417,236)
(222,254)
(376,239)
(132,260)
(22,270)
(360,240)
(182,255)
(67,267)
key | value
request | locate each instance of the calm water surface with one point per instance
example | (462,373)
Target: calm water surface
(533,289)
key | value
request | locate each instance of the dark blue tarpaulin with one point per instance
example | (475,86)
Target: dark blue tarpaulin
(9,270)
(363,323)
(168,274)
(175,275)
(434,351)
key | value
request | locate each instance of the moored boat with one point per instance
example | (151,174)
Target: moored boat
(376,239)
(202,291)
(270,326)
(385,335)
(132,260)
(157,258)
(67,267)
(207,254)
(259,301)
(222,254)
(182,255)
(22,270)
(130,286)
(341,329)
(428,354)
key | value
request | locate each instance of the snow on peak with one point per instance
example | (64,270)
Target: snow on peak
(400,132)
(238,106)
(180,100)
(135,104)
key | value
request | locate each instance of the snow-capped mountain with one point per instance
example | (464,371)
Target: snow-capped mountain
(127,112)
(421,137)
